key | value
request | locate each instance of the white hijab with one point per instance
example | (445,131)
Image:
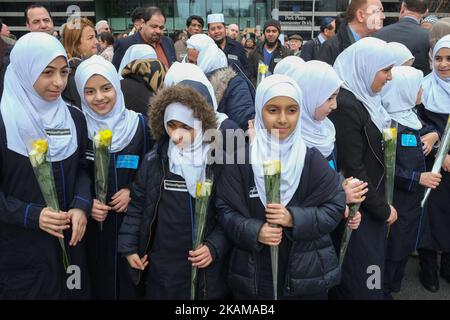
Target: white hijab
(402,53)
(187,71)
(26,115)
(210,56)
(311,76)
(290,151)
(122,122)
(357,66)
(436,91)
(399,96)
(189,162)
(136,52)
(287,64)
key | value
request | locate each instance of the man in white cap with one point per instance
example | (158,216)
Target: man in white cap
(234,51)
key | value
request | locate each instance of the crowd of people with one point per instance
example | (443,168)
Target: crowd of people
(174,109)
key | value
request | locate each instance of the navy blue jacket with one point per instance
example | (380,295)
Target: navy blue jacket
(122,45)
(236,54)
(30,259)
(309,264)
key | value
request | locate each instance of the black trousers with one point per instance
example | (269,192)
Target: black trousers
(429,263)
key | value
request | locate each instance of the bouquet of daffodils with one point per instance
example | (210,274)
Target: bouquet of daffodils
(440,156)
(102,145)
(44,175)
(272,177)
(202,194)
(390,151)
(262,72)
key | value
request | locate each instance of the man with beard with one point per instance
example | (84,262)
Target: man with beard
(234,51)
(151,33)
(270,52)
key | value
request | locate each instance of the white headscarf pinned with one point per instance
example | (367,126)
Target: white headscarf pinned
(357,66)
(290,151)
(399,96)
(402,53)
(310,76)
(122,122)
(26,115)
(436,91)
(288,63)
(189,162)
(210,57)
(136,52)
(188,71)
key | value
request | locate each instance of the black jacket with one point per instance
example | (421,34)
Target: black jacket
(70,93)
(408,32)
(136,94)
(236,54)
(122,45)
(309,264)
(257,55)
(30,259)
(333,47)
(311,49)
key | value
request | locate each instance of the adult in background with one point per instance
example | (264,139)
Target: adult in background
(233,50)
(151,34)
(310,50)
(363,17)
(295,44)
(408,32)
(106,42)
(270,51)
(233,31)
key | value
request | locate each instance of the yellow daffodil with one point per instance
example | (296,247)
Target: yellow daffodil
(272,167)
(263,69)
(203,189)
(103,138)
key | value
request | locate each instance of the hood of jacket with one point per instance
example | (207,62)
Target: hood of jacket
(220,80)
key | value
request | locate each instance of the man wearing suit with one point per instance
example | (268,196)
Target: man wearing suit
(151,34)
(408,32)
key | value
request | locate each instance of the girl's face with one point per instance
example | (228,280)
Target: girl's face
(181,134)
(53,79)
(442,63)
(325,109)
(419,97)
(381,78)
(100,95)
(88,43)
(281,114)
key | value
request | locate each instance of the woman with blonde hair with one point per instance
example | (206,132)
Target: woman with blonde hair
(80,42)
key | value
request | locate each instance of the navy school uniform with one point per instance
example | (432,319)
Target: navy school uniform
(31,264)
(159,223)
(435,225)
(408,193)
(308,264)
(110,278)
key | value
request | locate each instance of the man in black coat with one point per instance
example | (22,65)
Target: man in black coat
(270,51)
(310,50)
(151,34)
(408,32)
(235,52)
(363,18)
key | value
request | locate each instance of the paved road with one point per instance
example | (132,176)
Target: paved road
(413,290)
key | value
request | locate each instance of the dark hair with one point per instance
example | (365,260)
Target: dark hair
(1,25)
(354,6)
(419,6)
(3,47)
(149,12)
(35,6)
(198,18)
(340,19)
(107,37)
(137,14)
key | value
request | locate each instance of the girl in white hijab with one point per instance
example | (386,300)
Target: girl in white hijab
(307,186)
(404,57)
(136,52)
(31,109)
(414,141)
(365,67)
(434,235)
(209,56)
(103,105)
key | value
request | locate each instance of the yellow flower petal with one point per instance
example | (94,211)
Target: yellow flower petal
(40,146)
